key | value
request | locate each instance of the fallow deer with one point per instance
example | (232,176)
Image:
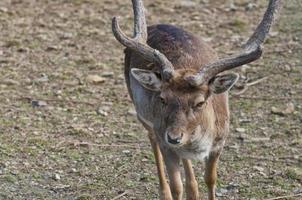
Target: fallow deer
(180,97)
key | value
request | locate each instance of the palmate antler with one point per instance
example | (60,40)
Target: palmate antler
(139,42)
(252,50)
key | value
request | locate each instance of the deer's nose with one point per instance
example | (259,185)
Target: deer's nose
(174,139)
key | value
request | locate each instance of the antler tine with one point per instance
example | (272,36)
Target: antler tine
(252,50)
(263,28)
(140,25)
(139,42)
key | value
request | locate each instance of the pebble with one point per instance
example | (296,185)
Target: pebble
(250,6)
(132,112)
(290,108)
(43,78)
(260,169)
(101,111)
(107,74)
(57,177)
(240,130)
(126,151)
(95,79)
(221,192)
(10,82)
(38,103)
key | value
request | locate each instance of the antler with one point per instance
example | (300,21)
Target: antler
(139,41)
(252,50)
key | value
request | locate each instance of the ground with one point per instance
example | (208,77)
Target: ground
(67,126)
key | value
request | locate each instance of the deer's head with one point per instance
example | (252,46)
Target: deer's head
(185,109)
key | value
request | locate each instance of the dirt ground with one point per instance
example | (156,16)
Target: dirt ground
(66,134)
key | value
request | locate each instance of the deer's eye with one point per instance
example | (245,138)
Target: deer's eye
(199,101)
(199,105)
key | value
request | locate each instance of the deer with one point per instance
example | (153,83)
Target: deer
(179,87)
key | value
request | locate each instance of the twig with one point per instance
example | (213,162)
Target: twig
(108,145)
(57,100)
(77,143)
(120,195)
(272,160)
(245,88)
(283,197)
(266,98)
(257,81)
(247,85)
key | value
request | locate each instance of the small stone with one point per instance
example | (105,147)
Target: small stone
(297,191)
(273,33)
(188,4)
(204,1)
(23,50)
(245,68)
(38,103)
(106,108)
(126,151)
(240,130)
(57,177)
(43,78)
(26,164)
(66,36)
(52,48)
(231,7)
(132,112)
(3,9)
(250,6)
(107,74)
(244,137)
(221,192)
(95,79)
(101,111)
(290,108)
(207,39)
(276,110)
(232,186)
(244,120)
(260,139)
(10,82)
(260,169)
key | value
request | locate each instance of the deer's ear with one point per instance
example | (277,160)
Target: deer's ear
(147,79)
(223,83)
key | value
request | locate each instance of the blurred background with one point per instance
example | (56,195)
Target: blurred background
(67,126)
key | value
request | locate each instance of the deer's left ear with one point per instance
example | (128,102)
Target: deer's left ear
(223,83)
(147,79)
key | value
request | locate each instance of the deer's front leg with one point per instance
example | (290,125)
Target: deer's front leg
(173,169)
(164,189)
(191,183)
(211,173)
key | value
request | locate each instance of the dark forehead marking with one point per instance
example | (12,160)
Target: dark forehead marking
(184,91)
(179,84)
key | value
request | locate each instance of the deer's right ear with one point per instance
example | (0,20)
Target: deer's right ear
(147,79)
